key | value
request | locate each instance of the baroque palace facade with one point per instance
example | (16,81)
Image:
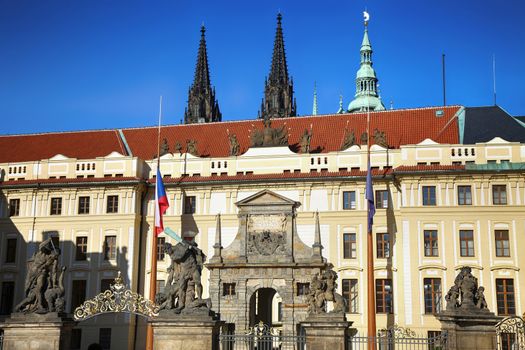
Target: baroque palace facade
(449,193)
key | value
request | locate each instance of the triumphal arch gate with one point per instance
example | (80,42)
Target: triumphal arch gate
(264,274)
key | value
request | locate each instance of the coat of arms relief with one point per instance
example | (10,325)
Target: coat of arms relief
(267,234)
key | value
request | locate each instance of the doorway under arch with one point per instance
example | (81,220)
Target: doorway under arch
(266,307)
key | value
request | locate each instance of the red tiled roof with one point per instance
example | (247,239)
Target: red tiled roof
(89,180)
(402,127)
(428,168)
(81,145)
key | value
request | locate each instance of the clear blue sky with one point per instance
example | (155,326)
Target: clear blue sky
(74,65)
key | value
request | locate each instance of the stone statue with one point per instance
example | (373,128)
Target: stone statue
(164,148)
(465,295)
(191,147)
(349,140)
(322,290)
(234,145)
(364,138)
(178,148)
(269,137)
(304,142)
(183,292)
(380,138)
(44,287)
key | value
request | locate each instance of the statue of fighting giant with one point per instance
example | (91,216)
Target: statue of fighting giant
(44,285)
(183,291)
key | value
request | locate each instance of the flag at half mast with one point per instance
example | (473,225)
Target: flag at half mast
(369,195)
(161,203)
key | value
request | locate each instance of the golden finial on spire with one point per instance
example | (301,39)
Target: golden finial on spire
(366,17)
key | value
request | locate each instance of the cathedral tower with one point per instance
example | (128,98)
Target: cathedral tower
(366,95)
(202,105)
(278,99)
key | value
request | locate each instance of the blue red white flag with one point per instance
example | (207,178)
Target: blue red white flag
(161,203)
(369,195)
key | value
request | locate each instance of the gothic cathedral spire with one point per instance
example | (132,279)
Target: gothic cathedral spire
(366,95)
(278,99)
(202,105)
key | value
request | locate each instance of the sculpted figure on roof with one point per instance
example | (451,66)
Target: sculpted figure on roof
(234,145)
(349,140)
(269,137)
(380,138)
(304,143)
(191,148)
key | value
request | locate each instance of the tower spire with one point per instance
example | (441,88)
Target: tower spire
(278,99)
(202,104)
(366,95)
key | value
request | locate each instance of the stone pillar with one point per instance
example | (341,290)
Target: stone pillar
(326,331)
(49,331)
(185,332)
(469,331)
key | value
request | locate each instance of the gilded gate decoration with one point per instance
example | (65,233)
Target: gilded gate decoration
(118,298)
(510,333)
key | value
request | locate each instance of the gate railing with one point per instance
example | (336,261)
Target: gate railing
(510,333)
(398,338)
(261,337)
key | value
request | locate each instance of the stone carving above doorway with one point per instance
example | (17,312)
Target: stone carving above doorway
(266,234)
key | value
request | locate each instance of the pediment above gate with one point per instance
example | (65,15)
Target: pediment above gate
(267,198)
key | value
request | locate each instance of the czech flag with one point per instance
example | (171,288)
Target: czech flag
(161,203)
(369,195)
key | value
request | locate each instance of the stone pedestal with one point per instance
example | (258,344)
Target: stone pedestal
(326,331)
(185,332)
(51,331)
(469,330)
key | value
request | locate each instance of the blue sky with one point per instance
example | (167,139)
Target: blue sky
(78,64)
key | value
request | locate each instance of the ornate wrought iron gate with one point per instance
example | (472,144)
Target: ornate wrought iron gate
(510,333)
(261,337)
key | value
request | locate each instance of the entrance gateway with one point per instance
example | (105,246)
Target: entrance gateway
(261,276)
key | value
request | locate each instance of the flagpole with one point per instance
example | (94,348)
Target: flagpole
(153,270)
(371,307)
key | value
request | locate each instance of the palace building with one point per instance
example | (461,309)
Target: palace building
(449,186)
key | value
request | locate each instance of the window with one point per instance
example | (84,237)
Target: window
(104,338)
(7,299)
(14,207)
(464,195)
(430,243)
(228,289)
(76,338)
(78,293)
(429,195)
(303,288)
(349,246)
(81,251)
(279,311)
(466,242)
(10,250)
(112,204)
(508,341)
(83,205)
(350,293)
(381,199)
(349,200)
(161,285)
(432,295)
(499,194)
(56,206)
(189,204)
(502,243)
(384,296)
(383,245)
(105,284)
(160,248)
(110,247)
(505,296)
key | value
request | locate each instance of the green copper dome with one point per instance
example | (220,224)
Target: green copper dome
(366,94)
